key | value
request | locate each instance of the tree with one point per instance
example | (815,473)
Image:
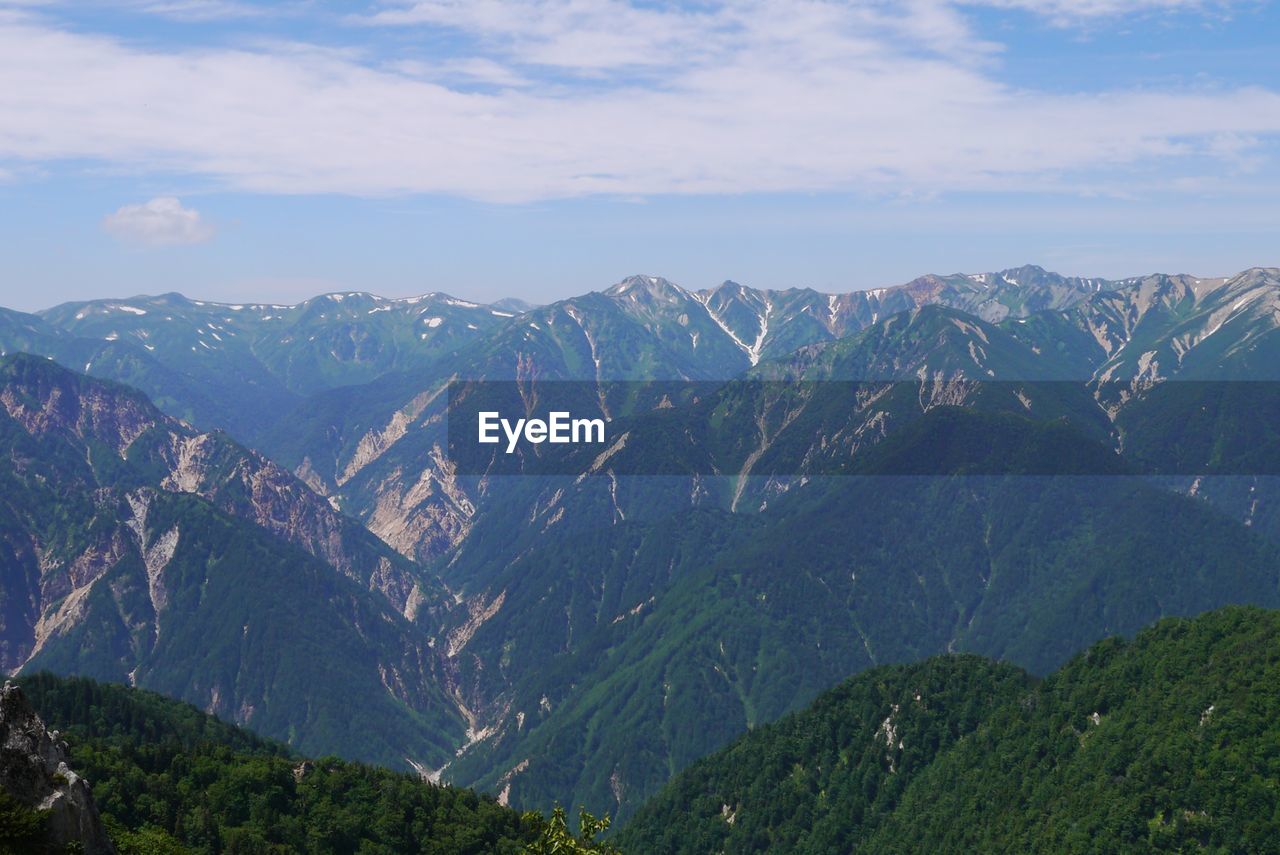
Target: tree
(556,838)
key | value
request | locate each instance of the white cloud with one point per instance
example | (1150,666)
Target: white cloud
(1064,11)
(197,10)
(584,34)
(161,222)
(581,97)
(179,10)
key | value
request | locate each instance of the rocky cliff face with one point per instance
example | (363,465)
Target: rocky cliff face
(34,771)
(113,428)
(138,550)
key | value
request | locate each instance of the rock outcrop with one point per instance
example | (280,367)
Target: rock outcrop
(35,773)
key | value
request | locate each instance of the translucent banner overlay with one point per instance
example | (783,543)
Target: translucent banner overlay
(898,427)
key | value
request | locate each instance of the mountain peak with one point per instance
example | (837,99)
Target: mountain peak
(650,287)
(1030,271)
(514,304)
(1023,276)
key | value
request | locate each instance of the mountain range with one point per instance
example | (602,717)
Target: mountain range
(253,508)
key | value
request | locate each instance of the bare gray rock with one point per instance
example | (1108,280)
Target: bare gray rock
(35,772)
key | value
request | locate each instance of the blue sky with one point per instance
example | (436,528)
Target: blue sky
(542,148)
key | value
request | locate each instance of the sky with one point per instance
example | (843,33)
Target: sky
(242,151)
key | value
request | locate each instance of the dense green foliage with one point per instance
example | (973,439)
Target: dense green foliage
(557,839)
(1169,742)
(823,779)
(169,778)
(21,827)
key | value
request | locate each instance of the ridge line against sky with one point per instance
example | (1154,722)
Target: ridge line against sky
(616,283)
(535,147)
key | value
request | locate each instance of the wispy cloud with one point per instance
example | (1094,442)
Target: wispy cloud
(181,10)
(163,221)
(582,97)
(583,34)
(198,10)
(1069,11)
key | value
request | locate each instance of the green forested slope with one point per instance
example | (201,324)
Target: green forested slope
(823,778)
(1168,742)
(170,779)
